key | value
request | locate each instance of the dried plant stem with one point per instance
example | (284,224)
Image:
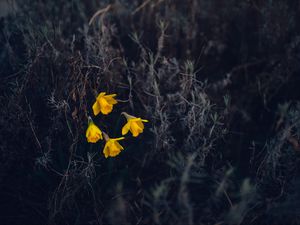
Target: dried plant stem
(141,6)
(99,12)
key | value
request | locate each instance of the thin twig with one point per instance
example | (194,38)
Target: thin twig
(228,198)
(99,12)
(34,134)
(141,6)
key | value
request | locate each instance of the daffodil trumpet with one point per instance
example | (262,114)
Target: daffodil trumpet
(93,133)
(134,125)
(104,103)
(112,146)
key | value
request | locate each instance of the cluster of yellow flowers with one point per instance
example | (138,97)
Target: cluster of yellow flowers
(104,104)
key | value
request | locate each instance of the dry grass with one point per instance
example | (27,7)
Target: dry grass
(217,81)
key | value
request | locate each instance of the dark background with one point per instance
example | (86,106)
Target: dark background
(217,80)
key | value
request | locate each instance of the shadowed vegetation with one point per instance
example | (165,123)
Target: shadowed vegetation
(217,80)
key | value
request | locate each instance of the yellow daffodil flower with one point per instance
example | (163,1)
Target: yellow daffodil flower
(134,124)
(112,147)
(104,103)
(93,133)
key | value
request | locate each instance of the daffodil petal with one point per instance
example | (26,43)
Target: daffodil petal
(101,94)
(126,128)
(93,133)
(118,139)
(87,133)
(110,99)
(105,106)
(119,146)
(110,96)
(116,147)
(96,108)
(140,124)
(112,147)
(106,150)
(135,129)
